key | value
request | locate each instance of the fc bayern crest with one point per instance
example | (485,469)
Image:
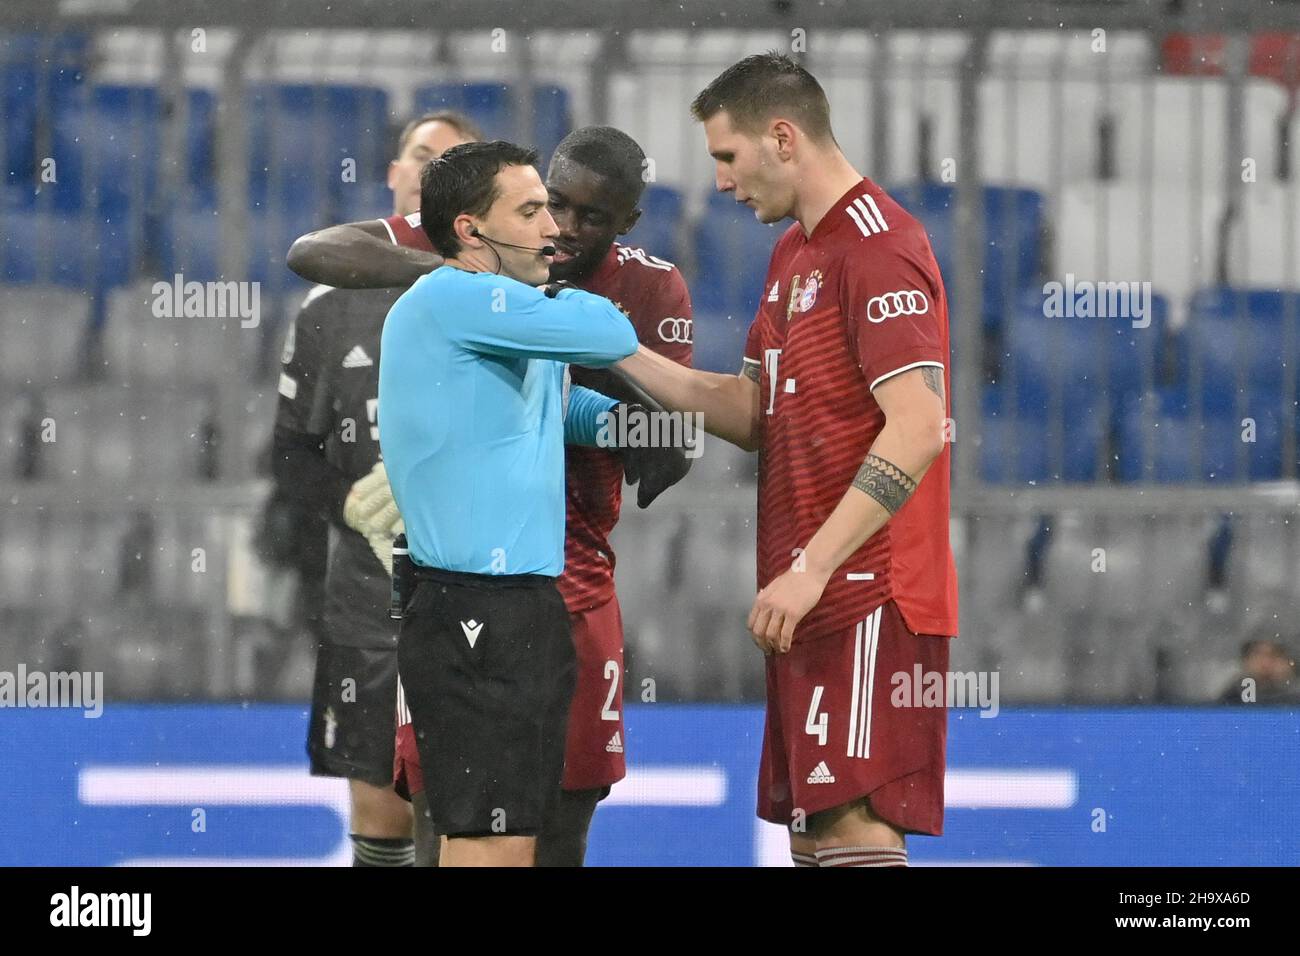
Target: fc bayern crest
(808,296)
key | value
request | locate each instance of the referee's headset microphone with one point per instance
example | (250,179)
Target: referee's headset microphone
(546,250)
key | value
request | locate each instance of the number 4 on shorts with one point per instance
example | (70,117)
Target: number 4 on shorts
(817,724)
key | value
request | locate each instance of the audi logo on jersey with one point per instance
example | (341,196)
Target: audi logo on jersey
(893,304)
(676,330)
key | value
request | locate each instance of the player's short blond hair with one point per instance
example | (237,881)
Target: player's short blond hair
(457,121)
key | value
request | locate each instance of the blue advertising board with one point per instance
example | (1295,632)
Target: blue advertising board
(227,784)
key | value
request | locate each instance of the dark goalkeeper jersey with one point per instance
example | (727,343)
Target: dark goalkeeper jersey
(329,388)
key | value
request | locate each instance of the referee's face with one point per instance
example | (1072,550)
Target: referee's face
(520,217)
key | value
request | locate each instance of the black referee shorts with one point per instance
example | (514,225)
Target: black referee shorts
(488,666)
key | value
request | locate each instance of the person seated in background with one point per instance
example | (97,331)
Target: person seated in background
(1268,675)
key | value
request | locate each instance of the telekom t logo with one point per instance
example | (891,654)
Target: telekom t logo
(770,359)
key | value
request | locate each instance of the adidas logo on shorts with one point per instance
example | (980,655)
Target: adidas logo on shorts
(615,745)
(821,774)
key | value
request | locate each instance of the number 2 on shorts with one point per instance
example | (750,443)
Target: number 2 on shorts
(611,675)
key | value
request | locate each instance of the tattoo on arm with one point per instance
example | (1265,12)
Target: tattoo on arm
(751,371)
(933,378)
(884,481)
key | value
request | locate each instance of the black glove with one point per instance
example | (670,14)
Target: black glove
(652,470)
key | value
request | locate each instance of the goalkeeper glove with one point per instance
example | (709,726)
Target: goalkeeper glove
(652,470)
(370,510)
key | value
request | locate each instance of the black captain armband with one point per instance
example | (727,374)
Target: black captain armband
(884,481)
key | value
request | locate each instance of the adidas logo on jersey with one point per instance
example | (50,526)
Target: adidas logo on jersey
(775,292)
(357,358)
(821,774)
(615,745)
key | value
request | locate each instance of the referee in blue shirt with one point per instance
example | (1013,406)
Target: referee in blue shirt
(474,411)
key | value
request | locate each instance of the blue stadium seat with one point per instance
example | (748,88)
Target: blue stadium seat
(732,251)
(659,230)
(719,340)
(364,200)
(1020,445)
(552,118)
(73,249)
(190,244)
(1232,327)
(300,135)
(110,141)
(1167,418)
(201,147)
(491,106)
(1013,227)
(1085,355)
(487,104)
(30,93)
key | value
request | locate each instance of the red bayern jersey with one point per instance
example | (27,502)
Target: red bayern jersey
(654,296)
(858,301)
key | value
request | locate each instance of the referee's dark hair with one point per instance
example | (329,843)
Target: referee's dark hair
(762,86)
(611,154)
(463,180)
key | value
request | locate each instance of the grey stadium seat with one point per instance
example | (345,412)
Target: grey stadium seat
(43,331)
(111,433)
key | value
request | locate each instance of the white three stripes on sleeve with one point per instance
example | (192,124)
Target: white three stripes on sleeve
(866,215)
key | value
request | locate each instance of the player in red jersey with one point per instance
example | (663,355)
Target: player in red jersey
(843,389)
(595,182)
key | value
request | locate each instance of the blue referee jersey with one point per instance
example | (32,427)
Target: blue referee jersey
(474,411)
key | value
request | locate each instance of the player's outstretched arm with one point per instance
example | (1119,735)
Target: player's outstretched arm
(358,255)
(908,443)
(729,403)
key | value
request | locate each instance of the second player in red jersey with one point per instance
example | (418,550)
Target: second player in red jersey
(848,307)
(843,389)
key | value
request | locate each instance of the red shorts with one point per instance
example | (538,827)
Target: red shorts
(834,735)
(593,754)
(407,778)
